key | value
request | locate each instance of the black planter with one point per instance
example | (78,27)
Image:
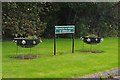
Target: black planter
(26,43)
(92,40)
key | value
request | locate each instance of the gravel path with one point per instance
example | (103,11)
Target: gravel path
(115,73)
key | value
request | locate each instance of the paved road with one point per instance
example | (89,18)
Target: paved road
(106,74)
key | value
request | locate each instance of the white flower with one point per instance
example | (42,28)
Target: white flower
(82,38)
(40,40)
(88,40)
(16,41)
(101,39)
(96,39)
(34,42)
(23,42)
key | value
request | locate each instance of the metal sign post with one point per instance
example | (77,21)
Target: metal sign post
(64,30)
(54,44)
(72,43)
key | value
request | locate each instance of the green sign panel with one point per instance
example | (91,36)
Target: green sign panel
(64,29)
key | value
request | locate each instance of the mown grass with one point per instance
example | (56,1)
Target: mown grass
(0,60)
(64,64)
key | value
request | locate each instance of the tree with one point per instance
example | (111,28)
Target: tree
(93,17)
(41,18)
(22,19)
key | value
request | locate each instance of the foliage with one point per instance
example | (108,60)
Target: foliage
(40,18)
(32,37)
(92,35)
(22,19)
(88,18)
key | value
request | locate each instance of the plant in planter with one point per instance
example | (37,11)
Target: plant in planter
(28,42)
(92,39)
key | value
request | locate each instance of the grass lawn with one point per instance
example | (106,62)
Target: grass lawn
(64,64)
(0,60)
